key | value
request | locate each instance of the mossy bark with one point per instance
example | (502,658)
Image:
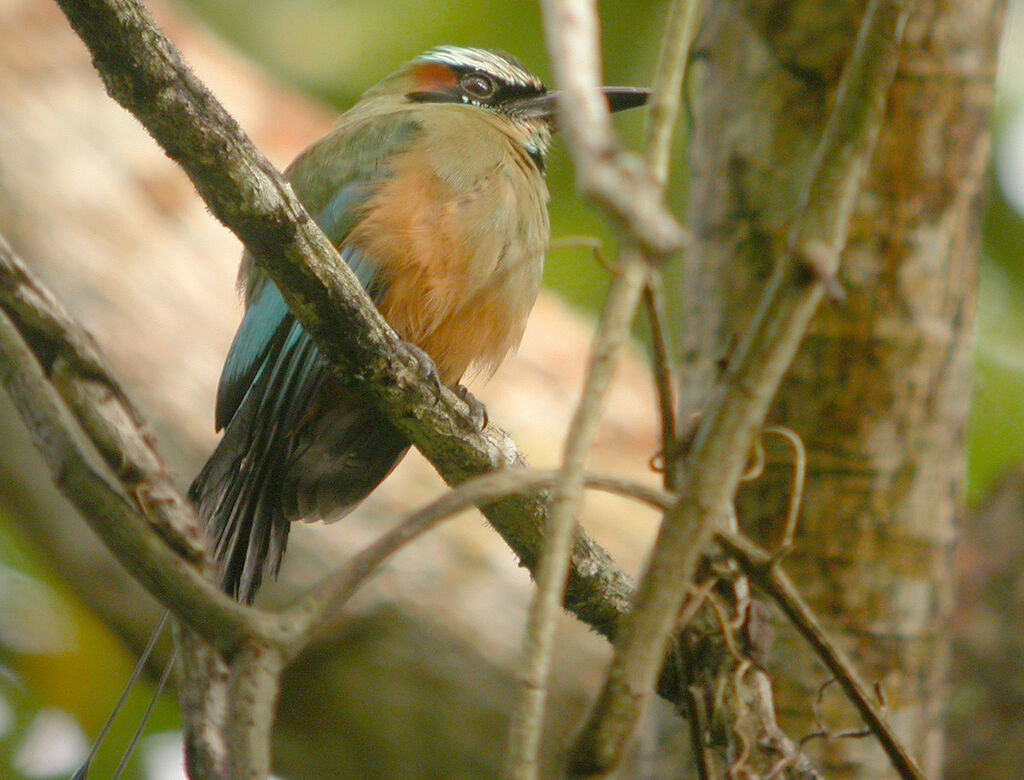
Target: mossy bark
(879,391)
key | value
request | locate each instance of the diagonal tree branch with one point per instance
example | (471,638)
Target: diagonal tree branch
(173,579)
(73,363)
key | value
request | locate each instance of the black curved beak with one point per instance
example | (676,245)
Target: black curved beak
(546,106)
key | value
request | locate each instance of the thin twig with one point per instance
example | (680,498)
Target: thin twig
(667,87)
(616,179)
(736,413)
(662,366)
(310,612)
(538,640)
(593,243)
(307,615)
(796,491)
(823,731)
(764,569)
(698,727)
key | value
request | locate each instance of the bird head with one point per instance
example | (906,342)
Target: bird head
(492,81)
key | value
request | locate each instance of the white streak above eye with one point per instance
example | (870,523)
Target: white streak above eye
(490,62)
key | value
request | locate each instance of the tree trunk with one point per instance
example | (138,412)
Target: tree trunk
(879,391)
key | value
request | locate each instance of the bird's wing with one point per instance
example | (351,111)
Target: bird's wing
(269,400)
(334,179)
(267,323)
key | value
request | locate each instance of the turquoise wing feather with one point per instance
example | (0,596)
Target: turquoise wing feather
(296,443)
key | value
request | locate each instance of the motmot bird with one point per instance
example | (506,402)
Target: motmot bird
(432,189)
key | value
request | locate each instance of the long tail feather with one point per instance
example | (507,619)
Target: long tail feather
(83,771)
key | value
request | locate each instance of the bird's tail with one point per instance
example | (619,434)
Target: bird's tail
(263,475)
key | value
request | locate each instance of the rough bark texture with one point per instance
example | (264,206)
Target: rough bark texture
(879,391)
(117,231)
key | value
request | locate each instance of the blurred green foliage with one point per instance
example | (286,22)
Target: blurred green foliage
(996,434)
(80,671)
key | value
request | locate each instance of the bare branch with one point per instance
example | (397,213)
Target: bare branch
(117,430)
(538,641)
(663,112)
(254,686)
(204,699)
(172,580)
(667,87)
(663,369)
(309,613)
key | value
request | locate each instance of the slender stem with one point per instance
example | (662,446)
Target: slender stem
(668,82)
(664,377)
(144,720)
(553,569)
(667,89)
(140,666)
(311,611)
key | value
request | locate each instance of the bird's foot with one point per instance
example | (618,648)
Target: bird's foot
(428,369)
(477,415)
(477,411)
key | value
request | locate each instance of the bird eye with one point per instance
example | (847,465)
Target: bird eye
(478,85)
